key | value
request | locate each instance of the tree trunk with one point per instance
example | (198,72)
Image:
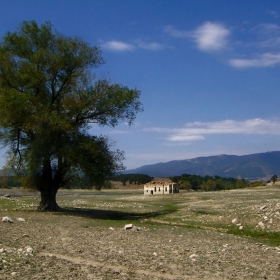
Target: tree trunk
(48,201)
(48,188)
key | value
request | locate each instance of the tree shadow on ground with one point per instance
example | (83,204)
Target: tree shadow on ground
(113,214)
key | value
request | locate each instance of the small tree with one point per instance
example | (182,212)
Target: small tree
(274,179)
(209,185)
(49,98)
(185,185)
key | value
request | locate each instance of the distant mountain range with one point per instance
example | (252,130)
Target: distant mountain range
(259,166)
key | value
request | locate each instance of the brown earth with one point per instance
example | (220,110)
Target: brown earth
(75,245)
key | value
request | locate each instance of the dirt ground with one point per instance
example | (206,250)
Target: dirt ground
(88,245)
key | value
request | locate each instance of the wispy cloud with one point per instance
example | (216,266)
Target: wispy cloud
(267,28)
(171,31)
(265,43)
(270,43)
(153,46)
(268,36)
(185,137)
(274,14)
(198,130)
(119,132)
(137,44)
(211,36)
(117,46)
(264,60)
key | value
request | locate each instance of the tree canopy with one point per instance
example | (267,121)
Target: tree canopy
(50,98)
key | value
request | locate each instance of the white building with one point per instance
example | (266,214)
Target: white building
(160,188)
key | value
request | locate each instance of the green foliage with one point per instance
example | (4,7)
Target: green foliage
(49,98)
(274,178)
(215,183)
(107,185)
(7,182)
(257,184)
(84,183)
(132,178)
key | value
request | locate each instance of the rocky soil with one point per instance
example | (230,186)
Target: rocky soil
(45,245)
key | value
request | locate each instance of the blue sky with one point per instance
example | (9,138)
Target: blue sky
(208,70)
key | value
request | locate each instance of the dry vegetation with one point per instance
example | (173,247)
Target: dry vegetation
(196,235)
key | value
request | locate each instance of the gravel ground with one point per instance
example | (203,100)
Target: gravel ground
(63,246)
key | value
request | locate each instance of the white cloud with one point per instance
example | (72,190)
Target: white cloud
(268,41)
(198,130)
(119,132)
(183,137)
(211,36)
(264,60)
(117,46)
(138,44)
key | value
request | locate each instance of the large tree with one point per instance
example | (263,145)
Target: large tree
(49,100)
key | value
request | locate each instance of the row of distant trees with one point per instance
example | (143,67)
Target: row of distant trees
(187,182)
(212,183)
(83,183)
(9,182)
(133,178)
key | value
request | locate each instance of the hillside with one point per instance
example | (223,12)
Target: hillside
(251,167)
